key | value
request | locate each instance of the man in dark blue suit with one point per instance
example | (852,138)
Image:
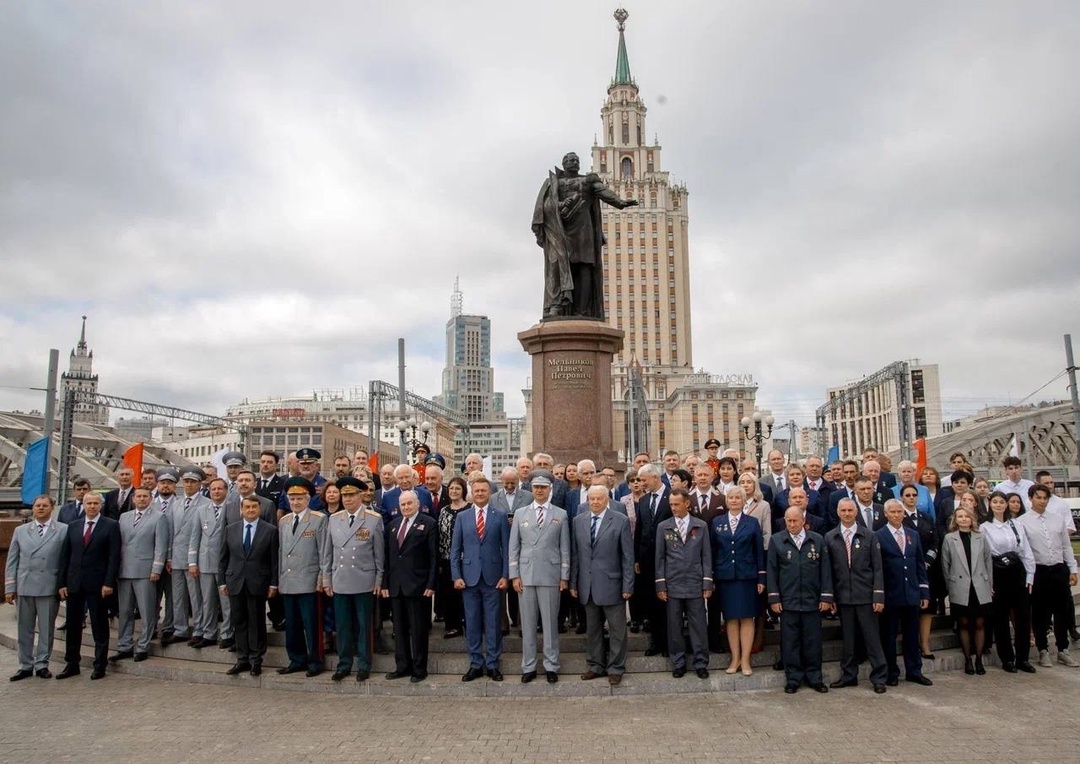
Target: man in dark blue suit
(868,513)
(652,509)
(89,565)
(72,510)
(849,472)
(406,477)
(796,478)
(480,567)
(907,590)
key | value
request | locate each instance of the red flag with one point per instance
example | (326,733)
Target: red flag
(373,463)
(133,458)
(920,457)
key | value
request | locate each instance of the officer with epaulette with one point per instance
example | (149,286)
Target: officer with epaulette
(234,462)
(799,578)
(303,570)
(186,595)
(358,549)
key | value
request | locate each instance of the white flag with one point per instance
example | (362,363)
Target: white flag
(1014,448)
(487,467)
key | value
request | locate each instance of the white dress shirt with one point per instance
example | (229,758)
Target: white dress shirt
(1002,539)
(1048,538)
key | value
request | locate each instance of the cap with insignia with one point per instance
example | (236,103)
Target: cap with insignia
(299,486)
(169,473)
(436,459)
(712,442)
(234,459)
(350,485)
(192,473)
(421,447)
(541,477)
(307,454)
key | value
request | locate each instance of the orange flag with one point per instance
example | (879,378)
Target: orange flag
(920,456)
(133,458)
(373,463)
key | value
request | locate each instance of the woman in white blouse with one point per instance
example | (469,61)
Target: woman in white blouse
(1014,570)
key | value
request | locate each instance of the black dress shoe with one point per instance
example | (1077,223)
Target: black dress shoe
(650,651)
(506,632)
(69,670)
(203,642)
(580,629)
(313,671)
(21,674)
(635,627)
(172,639)
(562,628)
(979,668)
(256,669)
(819,687)
(452,633)
(239,667)
(1026,667)
(140,657)
(844,683)
(703,673)
(552,677)
(122,655)
(225,644)
(290,669)
(418,678)
(528,676)
(98,673)
(679,673)
(920,679)
(892,681)
(791,689)
(194,641)
(474,672)
(43,673)
(969,668)
(363,675)
(495,674)
(1009,667)
(779,665)
(279,626)
(397,675)
(879,689)
(337,676)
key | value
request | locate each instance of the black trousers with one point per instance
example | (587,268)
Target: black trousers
(800,644)
(895,619)
(98,609)
(249,626)
(412,626)
(276,609)
(1051,597)
(859,625)
(453,609)
(1011,601)
(655,610)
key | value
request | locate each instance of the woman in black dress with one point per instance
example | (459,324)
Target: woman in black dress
(967,566)
(453,607)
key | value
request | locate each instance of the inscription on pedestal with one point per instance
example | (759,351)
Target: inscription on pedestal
(570,373)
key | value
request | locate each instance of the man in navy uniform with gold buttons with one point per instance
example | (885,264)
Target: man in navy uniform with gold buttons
(358,554)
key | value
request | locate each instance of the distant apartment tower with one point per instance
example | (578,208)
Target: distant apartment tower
(870,412)
(468,380)
(80,376)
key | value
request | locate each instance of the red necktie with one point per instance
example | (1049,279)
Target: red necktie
(86,534)
(401,531)
(480,524)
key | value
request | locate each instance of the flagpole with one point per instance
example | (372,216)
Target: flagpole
(50,417)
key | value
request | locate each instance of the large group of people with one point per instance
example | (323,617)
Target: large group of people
(703,554)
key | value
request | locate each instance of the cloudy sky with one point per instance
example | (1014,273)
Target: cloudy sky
(258,198)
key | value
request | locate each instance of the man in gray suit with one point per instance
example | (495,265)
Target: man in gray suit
(539,571)
(602,577)
(684,581)
(859,590)
(204,551)
(144,545)
(33,570)
(164,502)
(186,594)
(589,477)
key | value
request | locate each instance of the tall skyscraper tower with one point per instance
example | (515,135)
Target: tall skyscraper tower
(80,376)
(468,380)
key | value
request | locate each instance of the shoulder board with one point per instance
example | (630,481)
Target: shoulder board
(373,513)
(341,513)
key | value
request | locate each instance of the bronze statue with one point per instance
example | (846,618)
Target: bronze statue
(567,224)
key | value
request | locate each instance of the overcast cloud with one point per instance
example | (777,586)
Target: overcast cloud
(258,198)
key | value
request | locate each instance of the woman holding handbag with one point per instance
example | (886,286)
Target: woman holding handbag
(1014,570)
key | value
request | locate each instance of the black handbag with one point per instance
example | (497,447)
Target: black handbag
(1009,560)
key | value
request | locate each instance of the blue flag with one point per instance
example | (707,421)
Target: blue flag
(834,455)
(35,471)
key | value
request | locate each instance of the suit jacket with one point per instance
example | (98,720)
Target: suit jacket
(614,506)
(959,576)
(824,490)
(33,561)
(832,519)
(799,579)
(85,569)
(944,505)
(249,572)
(145,549)
(522,498)
(182,522)
(112,507)
(603,572)
(267,510)
(388,503)
(924,502)
(273,490)
(358,552)
(928,534)
(69,513)
(780,505)
(207,532)
(645,529)
(878,512)
(767,492)
(858,582)
(883,491)
(903,573)
(304,556)
(440,500)
(715,505)
(738,556)
(540,555)
(684,569)
(474,560)
(412,567)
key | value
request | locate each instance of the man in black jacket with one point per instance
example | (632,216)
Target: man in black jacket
(248,571)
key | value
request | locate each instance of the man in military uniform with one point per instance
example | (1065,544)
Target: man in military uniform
(234,461)
(799,578)
(684,581)
(204,551)
(164,502)
(307,460)
(144,545)
(303,569)
(358,549)
(186,594)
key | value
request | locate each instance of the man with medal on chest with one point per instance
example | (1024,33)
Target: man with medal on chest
(799,577)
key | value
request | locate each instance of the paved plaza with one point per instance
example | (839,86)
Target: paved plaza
(998,718)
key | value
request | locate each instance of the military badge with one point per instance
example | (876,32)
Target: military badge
(307,534)
(524,523)
(363,534)
(813,553)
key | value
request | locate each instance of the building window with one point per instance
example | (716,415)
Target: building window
(627,169)
(626,133)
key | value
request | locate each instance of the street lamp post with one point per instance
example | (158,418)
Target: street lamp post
(760,434)
(409,440)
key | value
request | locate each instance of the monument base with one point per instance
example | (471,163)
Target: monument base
(571,388)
